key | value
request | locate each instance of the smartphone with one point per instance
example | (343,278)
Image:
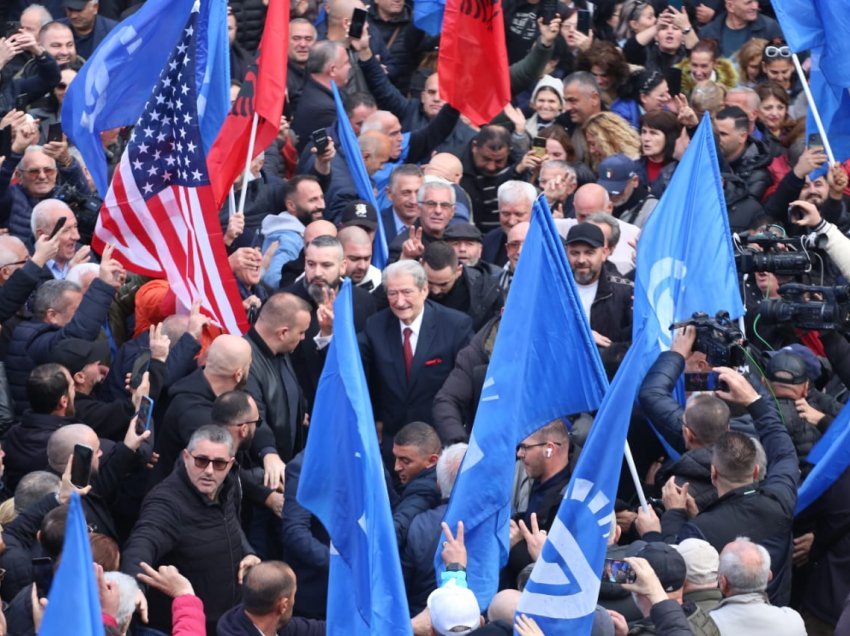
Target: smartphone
(583,21)
(42,575)
(709,381)
(21,102)
(676,4)
(674,80)
(54,132)
(140,365)
(58,227)
(539,146)
(548,8)
(143,416)
(618,572)
(5,141)
(358,21)
(320,139)
(81,466)
(11,28)
(814,142)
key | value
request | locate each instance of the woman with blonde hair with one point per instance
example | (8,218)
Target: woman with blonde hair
(749,62)
(609,134)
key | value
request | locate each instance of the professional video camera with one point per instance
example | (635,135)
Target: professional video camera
(794,260)
(830,310)
(86,208)
(718,338)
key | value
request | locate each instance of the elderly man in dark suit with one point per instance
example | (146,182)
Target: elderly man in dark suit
(409,349)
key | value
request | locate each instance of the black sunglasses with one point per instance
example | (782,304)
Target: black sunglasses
(202,462)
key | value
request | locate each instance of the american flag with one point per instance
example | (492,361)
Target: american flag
(159,212)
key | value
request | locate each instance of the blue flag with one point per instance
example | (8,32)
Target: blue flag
(342,483)
(116,81)
(428,15)
(213,76)
(73,604)
(545,365)
(684,264)
(354,161)
(833,104)
(831,457)
(813,24)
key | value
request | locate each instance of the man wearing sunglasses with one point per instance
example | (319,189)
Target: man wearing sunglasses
(741,21)
(191,520)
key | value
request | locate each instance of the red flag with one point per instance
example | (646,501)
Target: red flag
(159,212)
(262,93)
(473,62)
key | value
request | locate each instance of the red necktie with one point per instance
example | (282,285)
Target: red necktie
(408,351)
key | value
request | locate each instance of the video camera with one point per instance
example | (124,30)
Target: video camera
(831,312)
(86,208)
(718,338)
(793,261)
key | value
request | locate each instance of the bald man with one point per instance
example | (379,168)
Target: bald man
(227,367)
(357,250)
(376,148)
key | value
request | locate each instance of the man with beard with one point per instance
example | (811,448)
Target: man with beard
(324,266)
(192,398)
(606,299)
(357,249)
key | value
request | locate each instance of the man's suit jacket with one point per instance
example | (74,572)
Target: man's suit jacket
(397,400)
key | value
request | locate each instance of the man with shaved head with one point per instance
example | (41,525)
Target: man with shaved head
(192,398)
(357,249)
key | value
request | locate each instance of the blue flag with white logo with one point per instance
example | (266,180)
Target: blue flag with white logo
(684,264)
(831,457)
(73,603)
(809,25)
(114,84)
(342,483)
(544,366)
(354,161)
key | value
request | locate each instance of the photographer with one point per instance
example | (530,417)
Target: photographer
(761,509)
(837,246)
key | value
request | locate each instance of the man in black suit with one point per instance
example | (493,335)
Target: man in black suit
(409,349)
(324,266)
(516,198)
(405,182)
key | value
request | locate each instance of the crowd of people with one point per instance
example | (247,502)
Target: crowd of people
(196,437)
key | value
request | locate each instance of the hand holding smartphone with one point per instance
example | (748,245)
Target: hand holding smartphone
(81,465)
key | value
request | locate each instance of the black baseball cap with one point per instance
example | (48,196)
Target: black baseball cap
(787,367)
(361,214)
(669,566)
(586,233)
(76,353)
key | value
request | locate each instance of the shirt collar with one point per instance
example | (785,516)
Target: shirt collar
(415,326)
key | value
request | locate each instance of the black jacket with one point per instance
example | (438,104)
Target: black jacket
(250,18)
(33,339)
(417,557)
(611,311)
(18,288)
(420,494)
(316,109)
(476,294)
(25,444)
(762,511)
(32,87)
(235,623)
(742,207)
(305,547)
(494,250)
(179,526)
(751,167)
(457,400)
(482,190)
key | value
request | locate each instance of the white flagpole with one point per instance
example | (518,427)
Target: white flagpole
(231,203)
(814,107)
(244,191)
(635,477)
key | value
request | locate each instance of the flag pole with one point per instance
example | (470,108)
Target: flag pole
(635,477)
(231,203)
(815,114)
(244,192)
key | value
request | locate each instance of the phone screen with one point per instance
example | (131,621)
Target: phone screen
(143,417)
(81,466)
(617,571)
(358,20)
(703,381)
(583,21)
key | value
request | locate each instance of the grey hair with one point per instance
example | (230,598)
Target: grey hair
(44,16)
(7,255)
(448,466)
(321,54)
(406,267)
(516,192)
(128,590)
(584,79)
(752,96)
(51,296)
(212,434)
(437,184)
(327,241)
(77,272)
(29,149)
(33,486)
(761,459)
(612,222)
(42,209)
(744,576)
(557,164)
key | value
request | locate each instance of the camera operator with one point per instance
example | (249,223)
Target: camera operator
(837,245)
(40,171)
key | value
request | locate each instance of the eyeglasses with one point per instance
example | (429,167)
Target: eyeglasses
(525,447)
(777,51)
(256,422)
(515,244)
(443,205)
(34,172)
(23,262)
(202,462)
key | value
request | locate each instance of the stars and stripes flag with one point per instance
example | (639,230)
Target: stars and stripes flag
(159,212)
